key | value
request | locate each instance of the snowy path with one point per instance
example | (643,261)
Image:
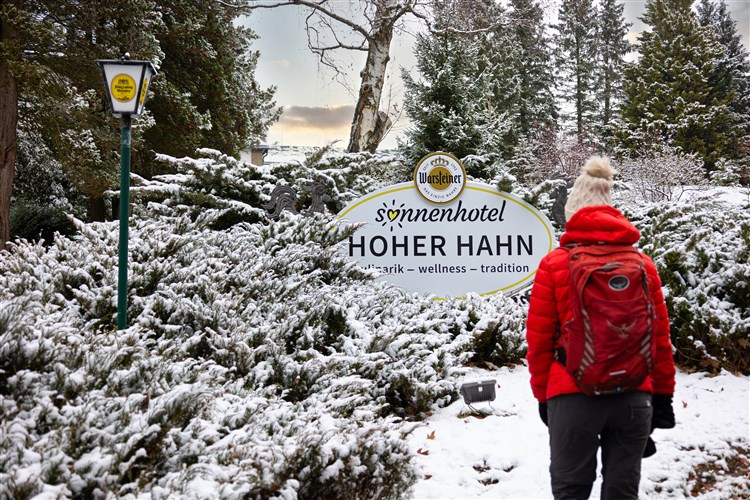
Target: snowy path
(506,455)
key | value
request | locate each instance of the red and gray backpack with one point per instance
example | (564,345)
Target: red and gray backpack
(608,346)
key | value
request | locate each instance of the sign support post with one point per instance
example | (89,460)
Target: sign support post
(122,280)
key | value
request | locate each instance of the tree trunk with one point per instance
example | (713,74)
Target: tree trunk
(370,124)
(8,122)
(97,209)
(579,93)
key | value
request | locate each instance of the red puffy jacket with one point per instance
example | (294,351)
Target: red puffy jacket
(550,305)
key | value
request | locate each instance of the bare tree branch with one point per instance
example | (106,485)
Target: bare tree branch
(323,51)
(316,6)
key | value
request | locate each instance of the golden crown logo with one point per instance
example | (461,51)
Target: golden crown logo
(439,162)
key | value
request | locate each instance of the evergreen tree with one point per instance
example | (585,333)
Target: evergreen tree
(436,103)
(612,51)
(61,94)
(733,71)
(208,96)
(671,92)
(460,103)
(576,42)
(532,67)
(206,70)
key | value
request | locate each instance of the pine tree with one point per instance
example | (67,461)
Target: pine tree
(613,47)
(206,79)
(532,66)
(460,103)
(576,41)
(671,92)
(734,69)
(436,103)
(208,96)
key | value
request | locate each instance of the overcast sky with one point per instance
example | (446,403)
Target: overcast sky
(318,109)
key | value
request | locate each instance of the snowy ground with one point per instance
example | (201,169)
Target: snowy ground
(506,454)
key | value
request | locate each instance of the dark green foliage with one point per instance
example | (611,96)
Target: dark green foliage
(61,93)
(40,180)
(33,222)
(441,110)
(465,99)
(613,47)
(205,94)
(533,68)
(733,70)
(21,347)
(496,346)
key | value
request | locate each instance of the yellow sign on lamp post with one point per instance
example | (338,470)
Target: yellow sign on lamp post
(125,80)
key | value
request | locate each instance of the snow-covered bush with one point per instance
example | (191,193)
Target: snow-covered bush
(703,254)
(726,173)
(38,176)
(234,191)
(41,198)
(260,363)
(661,174)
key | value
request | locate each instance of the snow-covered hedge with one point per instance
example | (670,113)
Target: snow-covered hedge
(702,250)
(215,183)
(259,363)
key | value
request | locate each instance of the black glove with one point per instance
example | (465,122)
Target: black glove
(543,413)
(650,448)
(663,413)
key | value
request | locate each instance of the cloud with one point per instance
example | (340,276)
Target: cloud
(633,36)
(280,63)
(319,118)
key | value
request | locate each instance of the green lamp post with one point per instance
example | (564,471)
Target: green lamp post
(127,84)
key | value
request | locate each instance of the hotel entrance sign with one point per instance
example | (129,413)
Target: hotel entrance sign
(451,238)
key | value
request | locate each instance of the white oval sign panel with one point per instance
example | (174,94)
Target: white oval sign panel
(485,241)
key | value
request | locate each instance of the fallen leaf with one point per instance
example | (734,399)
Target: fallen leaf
(431,435)
(428,476)
(684,404)
(423,452)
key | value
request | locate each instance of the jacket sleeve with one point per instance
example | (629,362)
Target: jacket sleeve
(662,378)
(541,326)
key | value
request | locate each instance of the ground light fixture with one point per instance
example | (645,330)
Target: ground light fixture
(127,84)
(478,391)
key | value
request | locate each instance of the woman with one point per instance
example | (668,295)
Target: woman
(579,424)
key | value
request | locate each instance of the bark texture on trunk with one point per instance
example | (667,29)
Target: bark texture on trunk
(8,122)
(370,124)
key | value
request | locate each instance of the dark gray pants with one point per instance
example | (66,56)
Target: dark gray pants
(579,424)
